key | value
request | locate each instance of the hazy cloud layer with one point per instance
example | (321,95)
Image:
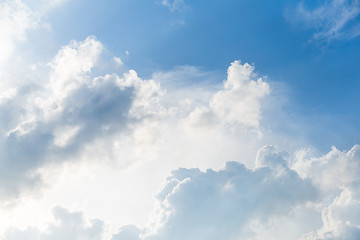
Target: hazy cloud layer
(15,19)
(69,225)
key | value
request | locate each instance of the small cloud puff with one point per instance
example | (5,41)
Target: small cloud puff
(238,104)
(118,61)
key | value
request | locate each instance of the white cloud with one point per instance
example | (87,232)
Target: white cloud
(69,225)
(271,201)
(57,121)
(118,61)
(340,218)
(337,176)
(226,204)
(15,19)
(240,101)
(335,19)
(139,124)
(122,120)
(344,165)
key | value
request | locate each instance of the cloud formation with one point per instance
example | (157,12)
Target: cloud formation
(75,113)
(224,204)
(52,123)
(240,101)
(337,176)
(336,19)
(258,203)
(283,197)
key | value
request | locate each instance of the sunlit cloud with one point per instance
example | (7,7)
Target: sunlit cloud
(91,149)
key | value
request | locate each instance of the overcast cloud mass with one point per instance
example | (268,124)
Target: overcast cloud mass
(108,137)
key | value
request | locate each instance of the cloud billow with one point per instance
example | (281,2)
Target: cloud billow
(50,124)
(224,204)
(72,115)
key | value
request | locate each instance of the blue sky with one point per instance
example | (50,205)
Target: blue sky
(179,119)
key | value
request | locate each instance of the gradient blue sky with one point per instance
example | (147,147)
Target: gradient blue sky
(321,75)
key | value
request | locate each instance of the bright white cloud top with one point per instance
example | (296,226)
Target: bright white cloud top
(91,150)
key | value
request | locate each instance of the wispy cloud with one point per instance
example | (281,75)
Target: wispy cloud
(174,5)
(335,19)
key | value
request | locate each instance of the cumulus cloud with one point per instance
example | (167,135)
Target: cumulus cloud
(68,225)
(225,204)
(79,115)
(340,218)
(236,105)
(337,176)
(281,198)
(275,200)
(240,101)
(336,19)
(52,123)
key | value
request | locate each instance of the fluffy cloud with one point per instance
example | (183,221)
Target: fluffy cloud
(225,204)
(281,198)
(52,123)
(78,114)
(337,176)
(281,192)
(340,218)
(240,101)
(237,105)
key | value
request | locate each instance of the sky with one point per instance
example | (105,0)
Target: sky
(179,119)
